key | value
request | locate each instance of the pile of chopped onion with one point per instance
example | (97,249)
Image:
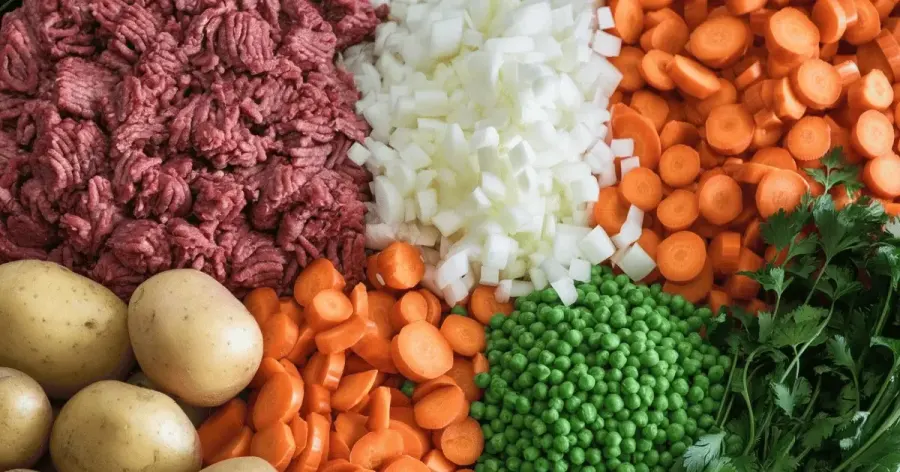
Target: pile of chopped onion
(489,142)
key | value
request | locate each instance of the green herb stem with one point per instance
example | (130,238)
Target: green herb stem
(806,345)
(751,438)
(719,416)
(874,438)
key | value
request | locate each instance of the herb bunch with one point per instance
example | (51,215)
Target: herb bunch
(813,385)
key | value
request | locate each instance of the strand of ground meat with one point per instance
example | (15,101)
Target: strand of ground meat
(142,135)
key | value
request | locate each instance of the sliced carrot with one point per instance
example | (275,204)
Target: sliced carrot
(809,138)
(719,42)
(678,132)
(401,265)
(725,251)
(463,374)
(275,444)
(425,388)
(379,409)
(480,362)
(316,399)
(352,389)
(236,446)
(671,34)
(290,368)
(373,272)
(642,188)
(262,303)
(678,211)
(720,200)
(359,299)
(376,448)
(411,307)
(223,425)
(375,350)
(462,443)
(327,309)
(817,84)
(300,431)
(694,290)
(882,176)
(440,408)
(290,307)
(872,135)
(330,370)
(775,157)
(729,129)
(341,337)
(785,103)
(627,63)
(749,76)
(628,17)
(415,440)
(779,189)
(319,275)
(791,35)
(337,448)
(718,300)
(748,173)
(866,26)
(420,352)
(831,20)
(380,306)
(305,345)
(339,465)
(267,368)
(355,364)
(406,464)
(318,438)
(742,287)
(653,69)
(872,91)
(692,78)
(652,106)
(350,427)
(398,398)
(434,306)
(681,256)
(279,400)
(437,462)
(465,335)
(752,238)
(642,132)
(483,305)
(609,213)
(280,334)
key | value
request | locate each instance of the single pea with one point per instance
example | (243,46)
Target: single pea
(709,405)
(639,418)
(649,358)
(614,375)
(614,403)
(556,377)
(618,360)
(609,287)
(586,383)
(482,380)
(630,385)
(632,401)
(618,320)
(695,394)
(717,392)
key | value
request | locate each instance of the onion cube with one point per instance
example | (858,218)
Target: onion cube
(605,18)
(580,270)
(565,289)
(636,263)
(538,278)
(629,164)
(597,246)
(606,44)
(490,276)
(622,147)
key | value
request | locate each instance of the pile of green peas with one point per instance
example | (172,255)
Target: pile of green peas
(619,381)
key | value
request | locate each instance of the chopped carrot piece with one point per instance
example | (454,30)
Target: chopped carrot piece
(376,448)
(420,352)
(262,303)
(319,275)
(681,256)
(223,425)
(483,305)
(279,400)
(462,443)
(401,265)
(275,444)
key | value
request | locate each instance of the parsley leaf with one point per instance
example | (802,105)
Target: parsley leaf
(766,325)
(838,282)
(707,449)
(770,277)
(797,327)
(822,428)
(782,228)
(784,399)
(836,172)
(839,351)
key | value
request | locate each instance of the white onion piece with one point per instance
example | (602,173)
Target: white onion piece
(636,263)
(597,246)
(503,291)
(379,236)
(580,270)
(629,164)
(605,18)
(622,147)
(565,288)
(489,276)
(521,288)
(631,228)
(453,268)
(388,200)
(554,270)
(455,292)
(617,257)
(538,278)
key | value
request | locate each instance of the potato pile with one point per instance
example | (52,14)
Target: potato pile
(70,344)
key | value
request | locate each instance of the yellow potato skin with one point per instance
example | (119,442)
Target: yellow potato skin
(25,420)
(241,464)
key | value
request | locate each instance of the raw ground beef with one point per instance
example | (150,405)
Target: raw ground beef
(142,135)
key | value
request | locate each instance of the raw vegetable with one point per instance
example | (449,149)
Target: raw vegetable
(374,380)
(814,384)
(63,330)
(241,464)
(117,427)
(488,144)
(621,380)
(193,338)
(25,420)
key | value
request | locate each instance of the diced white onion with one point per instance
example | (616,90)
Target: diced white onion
(629,164)
(503,291)
(580,270)
(565,288)
(597,246)
(636,263)
(622,147)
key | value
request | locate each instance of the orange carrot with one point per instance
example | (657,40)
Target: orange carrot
(376,448)
(280,334)
(721,41)
(279,400)
(236,446)
(809,138)
(742,287)
(337,448)
(379,409)
(341,337)
(775,157)
(480,363)
(300,431)
(411,307)
(681,256)
(406,464)
(462,443)
(696,289)
(483,305)
(420,352)
(327,309)
(262,303)
(290,368)
(817,84)
(881,176)
(375,350)
(718,300)
(401,265)
(692,78)
(350,427)
(752,238)
(380,306)
(609,213)
(463,374)
(440,408)
(267,368)
(223,425)
(415,440)
(778,190)
(465,335)
(872,135)
(642,188)
(275,444)
(628,63)
(434,306)
(437,462)
(317,442)
(290,307)
(679,165)
(319,275)
(352,389)
(720,200)
(729,129)
(642,132)
(678,211)
(359,299)
(304,346)
(725,251)
(652,69)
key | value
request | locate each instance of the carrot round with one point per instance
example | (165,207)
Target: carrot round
(304,346)
(609,213)
(379,409)
(300,431)
(411,307)
(262,303)
(752,238)
(692,78)
(420,352)
(341,337)
(678,132)
(696,289)
(406,464)
(642,188)
(319,275)
(375,349)
(729,129)
(327,309)
(720,199)
(480,362)
(338,465)
(317,443)
(381,304)
(778,190)
(790,35)
(463,374)
(628,17)
(437,462)
(717,300)
(350,427)
(643,133)
(882,176)
(628,63)
(653,69)
(267,368)
(401,265)
(724,252)
(352,389)
(742,287)
(678,211)
(337,448)
(280,334)
(808,139)
(434,306)
(440,408)
(373,272)
(775,157)
(872,134)
(359,299)
(679,165)
(236,446)
(280,398)
(291,308)
(465,335)
(275,444)
(872,91)
(719,42)
(462,443)
(483,305)
(290,368)
(867,24)
(817,84)
(831,20)
(224,424)
(376,448)
(681,256)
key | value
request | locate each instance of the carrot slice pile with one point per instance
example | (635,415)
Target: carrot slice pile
(327,394)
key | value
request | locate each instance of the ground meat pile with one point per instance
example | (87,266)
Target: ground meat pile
(142,135)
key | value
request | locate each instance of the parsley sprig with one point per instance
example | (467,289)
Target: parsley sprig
(814,386)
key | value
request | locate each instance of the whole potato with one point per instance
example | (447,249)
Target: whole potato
(64,330)
(196,414)
(193,338)
(25,419)
(241,464)
(116,427)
